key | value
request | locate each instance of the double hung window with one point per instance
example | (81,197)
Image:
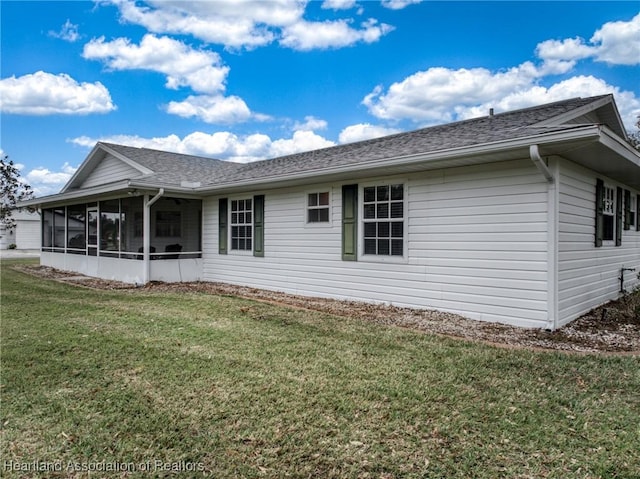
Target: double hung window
(383,220)
(242,225)
(608,213)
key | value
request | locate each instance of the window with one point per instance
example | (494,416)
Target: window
(318,207)
(168,224)
(241,225)
(608,213)
(383,220)
(632,211)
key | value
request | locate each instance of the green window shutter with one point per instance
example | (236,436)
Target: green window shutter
(627,209)
(618,216)
(349,222)
(599,212)
(258,225)
(223,220)
(638,213)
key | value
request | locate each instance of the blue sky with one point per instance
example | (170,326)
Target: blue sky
(248,80)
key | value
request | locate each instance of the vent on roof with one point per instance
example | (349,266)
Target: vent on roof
(490,112)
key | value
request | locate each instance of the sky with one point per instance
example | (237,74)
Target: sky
(249,80)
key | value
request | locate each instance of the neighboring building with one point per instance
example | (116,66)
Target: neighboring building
(527,217)
(25,235)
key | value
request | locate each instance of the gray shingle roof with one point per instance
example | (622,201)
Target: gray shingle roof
(172,168)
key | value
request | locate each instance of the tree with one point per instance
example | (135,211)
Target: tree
(14,189)
(634,138)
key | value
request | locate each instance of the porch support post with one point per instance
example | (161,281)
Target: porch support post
(146,233)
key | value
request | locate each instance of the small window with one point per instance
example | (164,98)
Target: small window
(383,220)
(242,225)
(632,211)
(608,213)
(318,207)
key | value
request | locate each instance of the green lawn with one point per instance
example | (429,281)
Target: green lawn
(122,379)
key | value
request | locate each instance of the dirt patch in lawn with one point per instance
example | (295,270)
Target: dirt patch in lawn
(612,328)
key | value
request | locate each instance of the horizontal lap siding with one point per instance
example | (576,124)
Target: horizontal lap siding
(476,246)
(588,276)
(110,169)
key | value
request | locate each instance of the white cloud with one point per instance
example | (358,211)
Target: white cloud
(616,43)
(398,4)
(338,4)
(300,141)
(68,32)
(433,95)
(578,86)
(311,123)
(44,93)
(221,145)
(46,182)
(331,34)
(233,23)
(439,94)
(569,49)
(249,23)
(364,131)
(212,109)
(198,69)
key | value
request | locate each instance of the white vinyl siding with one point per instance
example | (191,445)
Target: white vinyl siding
(476,245)
(110,169)
(588,276)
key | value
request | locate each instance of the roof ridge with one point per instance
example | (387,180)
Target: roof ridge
(156,150)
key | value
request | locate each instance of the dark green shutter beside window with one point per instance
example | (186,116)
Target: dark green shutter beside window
(258,225)
(599,212)
(627,209)
(222,225)
(349,222)
(618,216)
(638,213)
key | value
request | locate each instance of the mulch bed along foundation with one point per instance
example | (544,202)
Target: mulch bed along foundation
(612,328)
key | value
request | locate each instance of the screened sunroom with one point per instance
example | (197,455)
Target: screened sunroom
(135,239)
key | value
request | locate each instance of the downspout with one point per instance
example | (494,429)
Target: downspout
(146,234)
(552,235)
(534,154)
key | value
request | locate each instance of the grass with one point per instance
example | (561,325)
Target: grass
(223,387)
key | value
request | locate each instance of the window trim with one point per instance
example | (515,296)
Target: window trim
(231,224)
(633,211)
(612,213)
(376,258)
(318,224)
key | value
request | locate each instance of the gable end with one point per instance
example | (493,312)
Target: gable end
(110,169)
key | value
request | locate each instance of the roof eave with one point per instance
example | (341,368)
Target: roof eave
(84,193)
(590,132)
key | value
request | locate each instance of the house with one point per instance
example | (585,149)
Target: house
(529,217)
(26,234)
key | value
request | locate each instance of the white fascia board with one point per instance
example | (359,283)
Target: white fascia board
(89,163)
(82,167)
(576,112)
(589,132)
(142,169)
(620,146)
(63,197)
